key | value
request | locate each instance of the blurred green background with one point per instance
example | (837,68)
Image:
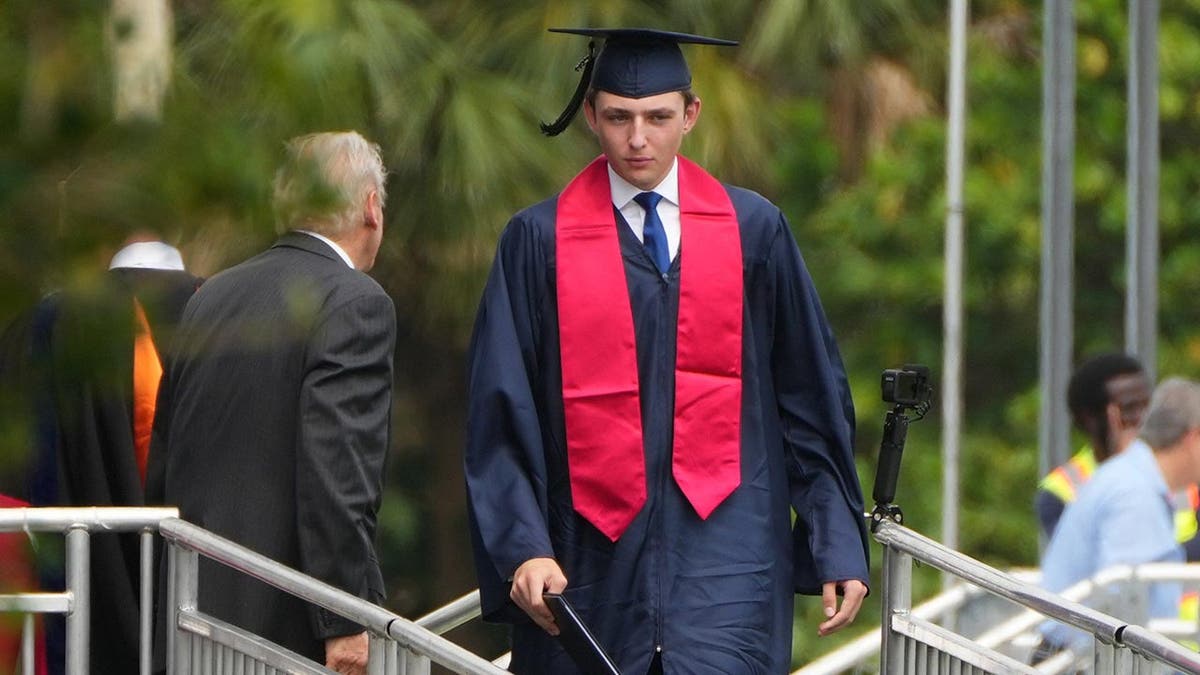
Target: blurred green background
(834,110)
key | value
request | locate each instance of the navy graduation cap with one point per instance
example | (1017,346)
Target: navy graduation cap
(633,62)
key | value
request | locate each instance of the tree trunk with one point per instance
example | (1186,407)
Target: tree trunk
(140,35)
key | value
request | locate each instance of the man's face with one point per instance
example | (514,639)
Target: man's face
(1131,394)
(641,136)
(1128,397)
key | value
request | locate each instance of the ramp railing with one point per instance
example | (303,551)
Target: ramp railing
(912,646)
(77,525)
(1011,630)
(198,643)
(909,641)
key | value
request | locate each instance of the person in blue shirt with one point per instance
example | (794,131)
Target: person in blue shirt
(1124,514)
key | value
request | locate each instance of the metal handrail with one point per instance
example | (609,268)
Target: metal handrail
(1106,629)
(866,646)
(452,615)
(997,582)
(1148,643)
(373,617)
(422,637)
(852,653)
(77,523)
(61,519)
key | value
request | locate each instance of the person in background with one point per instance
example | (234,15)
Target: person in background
(1107,397)
(1123,514)
(274,414)
(653,388)
(85,363)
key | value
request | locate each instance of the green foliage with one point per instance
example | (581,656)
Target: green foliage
(453,90)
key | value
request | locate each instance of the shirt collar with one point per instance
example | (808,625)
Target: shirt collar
(332,244)
(623,191)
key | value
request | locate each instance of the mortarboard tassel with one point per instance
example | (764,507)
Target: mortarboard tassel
(559,125)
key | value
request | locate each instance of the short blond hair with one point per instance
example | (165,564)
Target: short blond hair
(324,181)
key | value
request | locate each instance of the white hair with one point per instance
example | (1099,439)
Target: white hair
(1174,411)
(324,181)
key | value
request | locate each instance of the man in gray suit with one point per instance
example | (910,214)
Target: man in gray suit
(274,415)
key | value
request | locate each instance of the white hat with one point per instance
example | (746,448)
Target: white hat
(151,255)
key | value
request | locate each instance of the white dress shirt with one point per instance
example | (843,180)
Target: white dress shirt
(332,244)
(623,193)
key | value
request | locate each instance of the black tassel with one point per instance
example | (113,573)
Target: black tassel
(559,125)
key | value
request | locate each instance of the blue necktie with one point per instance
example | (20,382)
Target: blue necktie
(654,237)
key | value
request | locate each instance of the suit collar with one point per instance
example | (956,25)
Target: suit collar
(300,240)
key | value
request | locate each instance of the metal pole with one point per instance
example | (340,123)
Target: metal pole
(377,646)
(952,314)
(27,642)
(147,599)
(169,624)
(897,599)
(79,618)
(1058,215)
(185,582)
(1141,262)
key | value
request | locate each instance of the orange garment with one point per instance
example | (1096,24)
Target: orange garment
(147,371)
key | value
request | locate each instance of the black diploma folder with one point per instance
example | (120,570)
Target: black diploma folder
(577,640)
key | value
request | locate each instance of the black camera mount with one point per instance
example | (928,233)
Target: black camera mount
(909,389)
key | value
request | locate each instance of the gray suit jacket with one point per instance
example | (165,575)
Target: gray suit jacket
(272,428)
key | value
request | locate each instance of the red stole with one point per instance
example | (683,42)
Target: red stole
(601,403)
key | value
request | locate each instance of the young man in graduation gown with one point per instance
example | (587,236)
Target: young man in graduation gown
(653,389)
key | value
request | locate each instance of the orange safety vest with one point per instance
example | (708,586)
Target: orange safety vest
(1065,481)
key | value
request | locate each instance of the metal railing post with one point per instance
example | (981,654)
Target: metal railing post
(381,658)
(184,572)
(1139,599)
(168,629)
(147,601)
(897,599)
(1111,659)
(79,618)
(27,645)
(416,664)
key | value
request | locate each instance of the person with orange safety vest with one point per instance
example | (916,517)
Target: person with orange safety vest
(1108,395)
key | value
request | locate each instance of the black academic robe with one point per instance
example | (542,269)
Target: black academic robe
(272,428)
(73,357)
(716,595)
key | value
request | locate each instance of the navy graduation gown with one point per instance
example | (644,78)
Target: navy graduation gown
(715,595)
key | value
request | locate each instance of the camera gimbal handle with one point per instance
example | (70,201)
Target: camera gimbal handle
(891,449)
